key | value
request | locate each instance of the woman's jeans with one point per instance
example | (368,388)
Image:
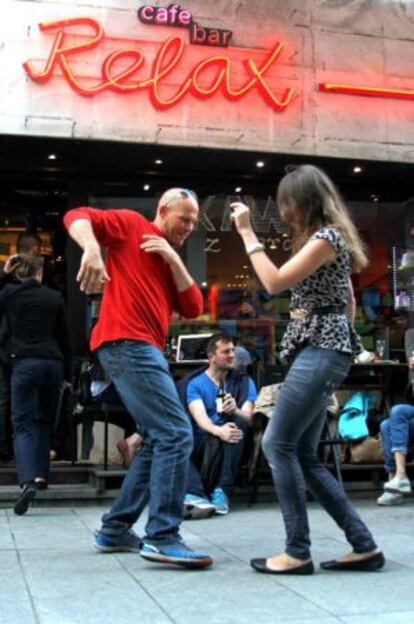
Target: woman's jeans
(290,444)
(158,472)
(35,385)
(397,433)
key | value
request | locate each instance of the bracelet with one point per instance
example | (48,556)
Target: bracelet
(251,249)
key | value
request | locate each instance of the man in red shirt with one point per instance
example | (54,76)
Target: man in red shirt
(145,280)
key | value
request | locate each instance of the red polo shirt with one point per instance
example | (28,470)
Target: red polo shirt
(138,301)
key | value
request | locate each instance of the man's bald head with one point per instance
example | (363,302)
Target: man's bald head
(177,195)
(177,214)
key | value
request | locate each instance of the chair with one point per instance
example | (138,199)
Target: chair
(108,413)
(86,409)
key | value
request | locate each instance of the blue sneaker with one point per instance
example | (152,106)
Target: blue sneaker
(177,553)
(128,542)
(197,507)
(220,502)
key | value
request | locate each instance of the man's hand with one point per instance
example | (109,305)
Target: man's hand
(92,273)
(229,404)
(159,245)
(11,264)
(230,433)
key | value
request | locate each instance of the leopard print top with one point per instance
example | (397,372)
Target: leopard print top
(327,286)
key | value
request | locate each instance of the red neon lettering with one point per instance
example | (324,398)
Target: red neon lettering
(167,58)
(403,94)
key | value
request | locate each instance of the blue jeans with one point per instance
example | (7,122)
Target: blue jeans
(397,433)
(158,472)
(35,385)
(290,444)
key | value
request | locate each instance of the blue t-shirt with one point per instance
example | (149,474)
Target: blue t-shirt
(204,388)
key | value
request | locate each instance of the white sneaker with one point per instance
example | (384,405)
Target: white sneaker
(390,498)
(196,507)
(403,486)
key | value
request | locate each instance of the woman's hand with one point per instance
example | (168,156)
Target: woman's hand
(11,264)
(241,217)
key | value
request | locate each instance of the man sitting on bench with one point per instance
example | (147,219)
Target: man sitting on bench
(220,400)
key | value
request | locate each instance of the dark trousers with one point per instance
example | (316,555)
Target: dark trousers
(35,384)
(231,457)
(4,409)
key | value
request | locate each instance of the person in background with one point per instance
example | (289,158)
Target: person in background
(319,344)
(145,279)
(199,393)
(397,435)
(40,357)
(27,243)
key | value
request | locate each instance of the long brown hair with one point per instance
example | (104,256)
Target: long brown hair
(309,190)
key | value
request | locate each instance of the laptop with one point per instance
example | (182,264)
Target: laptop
(192,348)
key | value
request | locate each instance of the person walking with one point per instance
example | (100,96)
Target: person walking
(319,344)
(145,280)
(40,362)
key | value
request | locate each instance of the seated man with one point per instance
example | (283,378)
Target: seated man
(397,434)
(224,418)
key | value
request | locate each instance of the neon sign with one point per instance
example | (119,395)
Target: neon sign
(400,94)
(198,81)
(174,15)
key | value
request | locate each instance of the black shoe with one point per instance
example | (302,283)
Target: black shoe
(26,496)
(370,564)
(260,566)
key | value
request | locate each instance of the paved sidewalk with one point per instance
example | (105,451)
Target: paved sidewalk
(49,573)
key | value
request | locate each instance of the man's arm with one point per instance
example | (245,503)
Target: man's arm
(91,228)
(190,300)
(92,272)
(229,432)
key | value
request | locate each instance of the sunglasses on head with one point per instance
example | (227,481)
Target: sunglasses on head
(291,167)
(182,193)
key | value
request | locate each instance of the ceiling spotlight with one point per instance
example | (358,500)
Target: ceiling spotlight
(245,266)
(357,169)
(260,164)
(146,187)
(374,197)
(203,284)
(52,157)
(238,189)
(158,161)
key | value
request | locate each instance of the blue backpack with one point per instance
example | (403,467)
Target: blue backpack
(353,417)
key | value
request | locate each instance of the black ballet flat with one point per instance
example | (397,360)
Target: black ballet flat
(370,564)
(260,566)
